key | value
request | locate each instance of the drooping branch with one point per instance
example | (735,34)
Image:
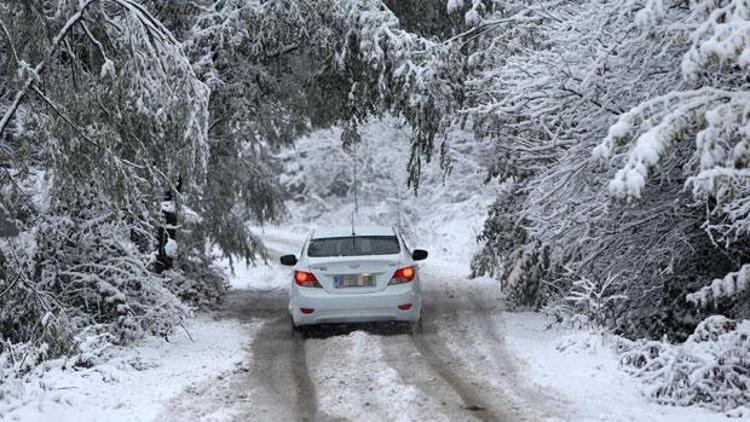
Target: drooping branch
(39,68)
(147,20)
(96,42)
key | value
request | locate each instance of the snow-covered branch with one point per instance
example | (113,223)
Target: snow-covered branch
(39,67)
(731,285)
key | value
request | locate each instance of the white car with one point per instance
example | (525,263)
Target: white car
(362,276)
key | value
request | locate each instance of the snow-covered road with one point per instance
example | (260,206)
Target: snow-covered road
(456,369)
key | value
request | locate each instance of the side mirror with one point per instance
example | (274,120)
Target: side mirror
(419,254)
(289,260)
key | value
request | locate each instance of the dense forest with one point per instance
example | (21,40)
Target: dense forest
(138,137)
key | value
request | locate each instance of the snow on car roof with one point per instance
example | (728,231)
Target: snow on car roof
(344,231)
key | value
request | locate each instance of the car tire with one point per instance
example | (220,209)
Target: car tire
(415,328)
(296,330)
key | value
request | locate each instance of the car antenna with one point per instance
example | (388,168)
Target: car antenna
(353,224)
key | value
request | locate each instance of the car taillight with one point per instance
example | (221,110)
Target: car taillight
(304,279)
(403,275)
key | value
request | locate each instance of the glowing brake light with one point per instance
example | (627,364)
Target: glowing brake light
(403,275)
(305,279)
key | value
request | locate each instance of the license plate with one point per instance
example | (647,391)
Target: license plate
(343,281)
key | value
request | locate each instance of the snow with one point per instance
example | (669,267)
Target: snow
(266,275)
(135,383)
(583,368)
(108,69)
(519,100)
(454,5)
(649,147)
(728,286)
(472,17)
(341,365)
(650,15)
(721,38)
(710,368)
(171,248)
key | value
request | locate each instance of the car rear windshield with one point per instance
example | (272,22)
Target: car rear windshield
(353,246)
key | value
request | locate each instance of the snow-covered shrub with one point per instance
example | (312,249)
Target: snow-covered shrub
(16,359)
(554,201)
(525,274)
(527,269)
(75,285)
(592,304)
(87,263)
(200,284)
(30,317)
(711,369)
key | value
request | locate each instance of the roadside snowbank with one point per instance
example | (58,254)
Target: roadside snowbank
(262,276)
(136,382)
(584,369)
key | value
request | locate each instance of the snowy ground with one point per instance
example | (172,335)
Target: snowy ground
(472,362)
(136,382)
(583,369)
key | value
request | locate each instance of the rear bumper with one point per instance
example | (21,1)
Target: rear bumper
(335,308)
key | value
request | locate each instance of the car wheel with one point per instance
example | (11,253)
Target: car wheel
(300,330)
(294,329)
(416,327)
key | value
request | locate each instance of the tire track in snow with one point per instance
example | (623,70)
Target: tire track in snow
(307,408)
(461,343)
(306,398)
(441,361)
(358,382)
(404,356)
(271,383)
(279,345)
(279,374)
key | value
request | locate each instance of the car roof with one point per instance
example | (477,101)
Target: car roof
(345,231)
